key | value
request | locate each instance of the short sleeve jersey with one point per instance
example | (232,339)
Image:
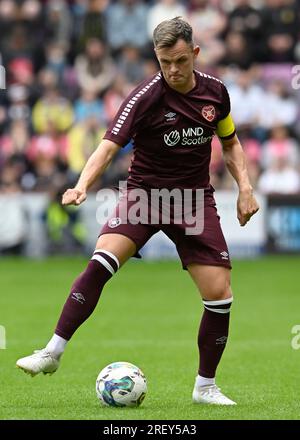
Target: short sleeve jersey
(171,131)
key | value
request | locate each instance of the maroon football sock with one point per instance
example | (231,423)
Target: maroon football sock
(85,293)
(212,336)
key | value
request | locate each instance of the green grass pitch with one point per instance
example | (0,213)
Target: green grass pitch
(149,315)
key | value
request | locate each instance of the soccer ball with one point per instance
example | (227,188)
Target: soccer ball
(121,384)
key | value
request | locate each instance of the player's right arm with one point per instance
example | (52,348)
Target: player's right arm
(95,167)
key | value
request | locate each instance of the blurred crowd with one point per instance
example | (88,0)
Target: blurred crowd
(69,65)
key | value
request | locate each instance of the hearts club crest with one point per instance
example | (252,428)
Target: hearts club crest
(208,112)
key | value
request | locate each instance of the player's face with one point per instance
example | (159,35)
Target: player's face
(177,64)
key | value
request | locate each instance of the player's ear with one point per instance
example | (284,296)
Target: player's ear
(196,51)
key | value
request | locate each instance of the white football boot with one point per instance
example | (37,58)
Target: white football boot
(41,361)
(210,394)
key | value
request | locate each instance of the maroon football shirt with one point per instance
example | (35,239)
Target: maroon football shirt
(171,131)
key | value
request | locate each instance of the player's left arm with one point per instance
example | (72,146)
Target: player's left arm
(235,161)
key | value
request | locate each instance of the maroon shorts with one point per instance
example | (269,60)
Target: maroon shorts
(208,247)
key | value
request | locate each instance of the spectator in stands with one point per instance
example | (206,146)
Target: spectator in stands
(58,22)
(280,30)
(280,145)
(82,140)
(21,30)
(18,103)
(52,109)
(115,96)
(87,106)
(209,24)
(130,64)
(127,24)
(16,140)
(238,52)
(8,14)
(246,20)
(95,69)
(21,76)
(46,79)
(280,178)
(18,56)
(279,106)
(46,169)
(13,146)
(56,59)
(32,16)
(52,143)
(164,10)
(89,22)
(244,90)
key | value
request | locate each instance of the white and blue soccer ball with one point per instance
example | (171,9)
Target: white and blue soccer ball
(121,384)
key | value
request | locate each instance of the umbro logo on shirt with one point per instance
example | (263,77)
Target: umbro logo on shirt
(170,116)
(224,255)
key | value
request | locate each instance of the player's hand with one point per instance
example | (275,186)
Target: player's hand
(73,196)
(247,206)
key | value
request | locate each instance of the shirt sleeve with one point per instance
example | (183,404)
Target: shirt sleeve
(226,107)
(132,111)
(225,126)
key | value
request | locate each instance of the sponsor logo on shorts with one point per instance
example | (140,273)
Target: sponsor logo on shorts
(224,255)
(188,137)
(78,297)
(208,112)
(114,222)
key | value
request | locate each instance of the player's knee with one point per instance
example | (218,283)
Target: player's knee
(217,291)
(217,295)
(119,245)
(218,298)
